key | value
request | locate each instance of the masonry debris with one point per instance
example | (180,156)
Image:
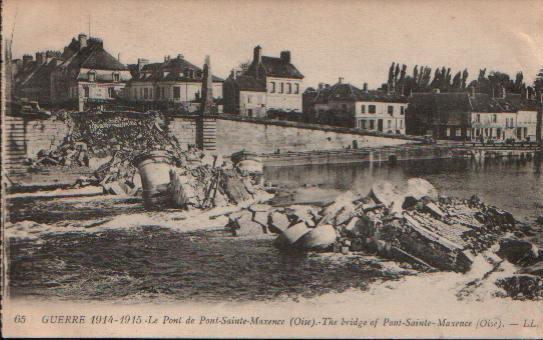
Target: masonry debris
(135,154)
(411,224)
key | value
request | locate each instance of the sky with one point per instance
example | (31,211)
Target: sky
(356,40)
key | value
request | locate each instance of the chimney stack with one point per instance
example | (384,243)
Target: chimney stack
(142,62)
(180,56)
(41,58)
(82,41)
(27,58)
(257,60)
(321,86)
(118,57)
(365,87)
(257,55)
(340,80)
(285,56)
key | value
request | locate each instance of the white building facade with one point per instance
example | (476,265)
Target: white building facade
(175,81)
(388,117)
(520,125)
(284,94)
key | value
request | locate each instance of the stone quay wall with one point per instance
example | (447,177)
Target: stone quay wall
(265,136)
(24,137)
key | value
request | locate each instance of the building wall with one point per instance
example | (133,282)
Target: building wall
(95,90)
(187,91)
(503,125)
(26,137)
(252,104)
(235,135)
(282,100)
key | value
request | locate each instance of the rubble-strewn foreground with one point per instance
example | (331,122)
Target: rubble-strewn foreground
(412,225)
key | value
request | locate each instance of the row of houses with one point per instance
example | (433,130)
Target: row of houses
(464,115)
(85,74)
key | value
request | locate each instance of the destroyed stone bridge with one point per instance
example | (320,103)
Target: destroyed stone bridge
(279,142)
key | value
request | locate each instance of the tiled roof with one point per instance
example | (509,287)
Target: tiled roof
(519,102)
(174,69)
(41,77)
(277,67)
(249,83)
(450,108)
(348,92)
(481,102)
(93,57)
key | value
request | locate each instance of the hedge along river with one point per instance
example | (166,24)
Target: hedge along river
(155,263)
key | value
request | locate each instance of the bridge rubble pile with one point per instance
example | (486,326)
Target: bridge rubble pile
(108,142)
(413,225)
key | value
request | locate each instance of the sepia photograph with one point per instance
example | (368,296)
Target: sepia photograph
(272,169)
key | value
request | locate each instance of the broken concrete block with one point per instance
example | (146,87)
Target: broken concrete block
(434,210)
(345,214)
(247,226)
(115,188)
(301,213)
(518,251)
(350,228)
(321,237)
(339,212)
(333,208)
(235,188)
(260,208)
(291,235)
(419,188)
(400,255)
(427,245)
(386,193)
(278,222)
(248,185)
(261,217)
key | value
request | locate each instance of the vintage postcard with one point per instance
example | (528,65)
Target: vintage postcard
(272,169)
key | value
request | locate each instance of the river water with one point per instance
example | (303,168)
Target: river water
(155,263)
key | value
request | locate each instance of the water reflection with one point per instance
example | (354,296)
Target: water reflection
(515,185)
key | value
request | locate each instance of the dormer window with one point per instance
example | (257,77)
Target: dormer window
(116,77)
(92,76)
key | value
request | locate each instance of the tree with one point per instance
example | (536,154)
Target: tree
(457,81)
(402,73)
(538,83)
(390,76)
(519,83)
(464,78)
